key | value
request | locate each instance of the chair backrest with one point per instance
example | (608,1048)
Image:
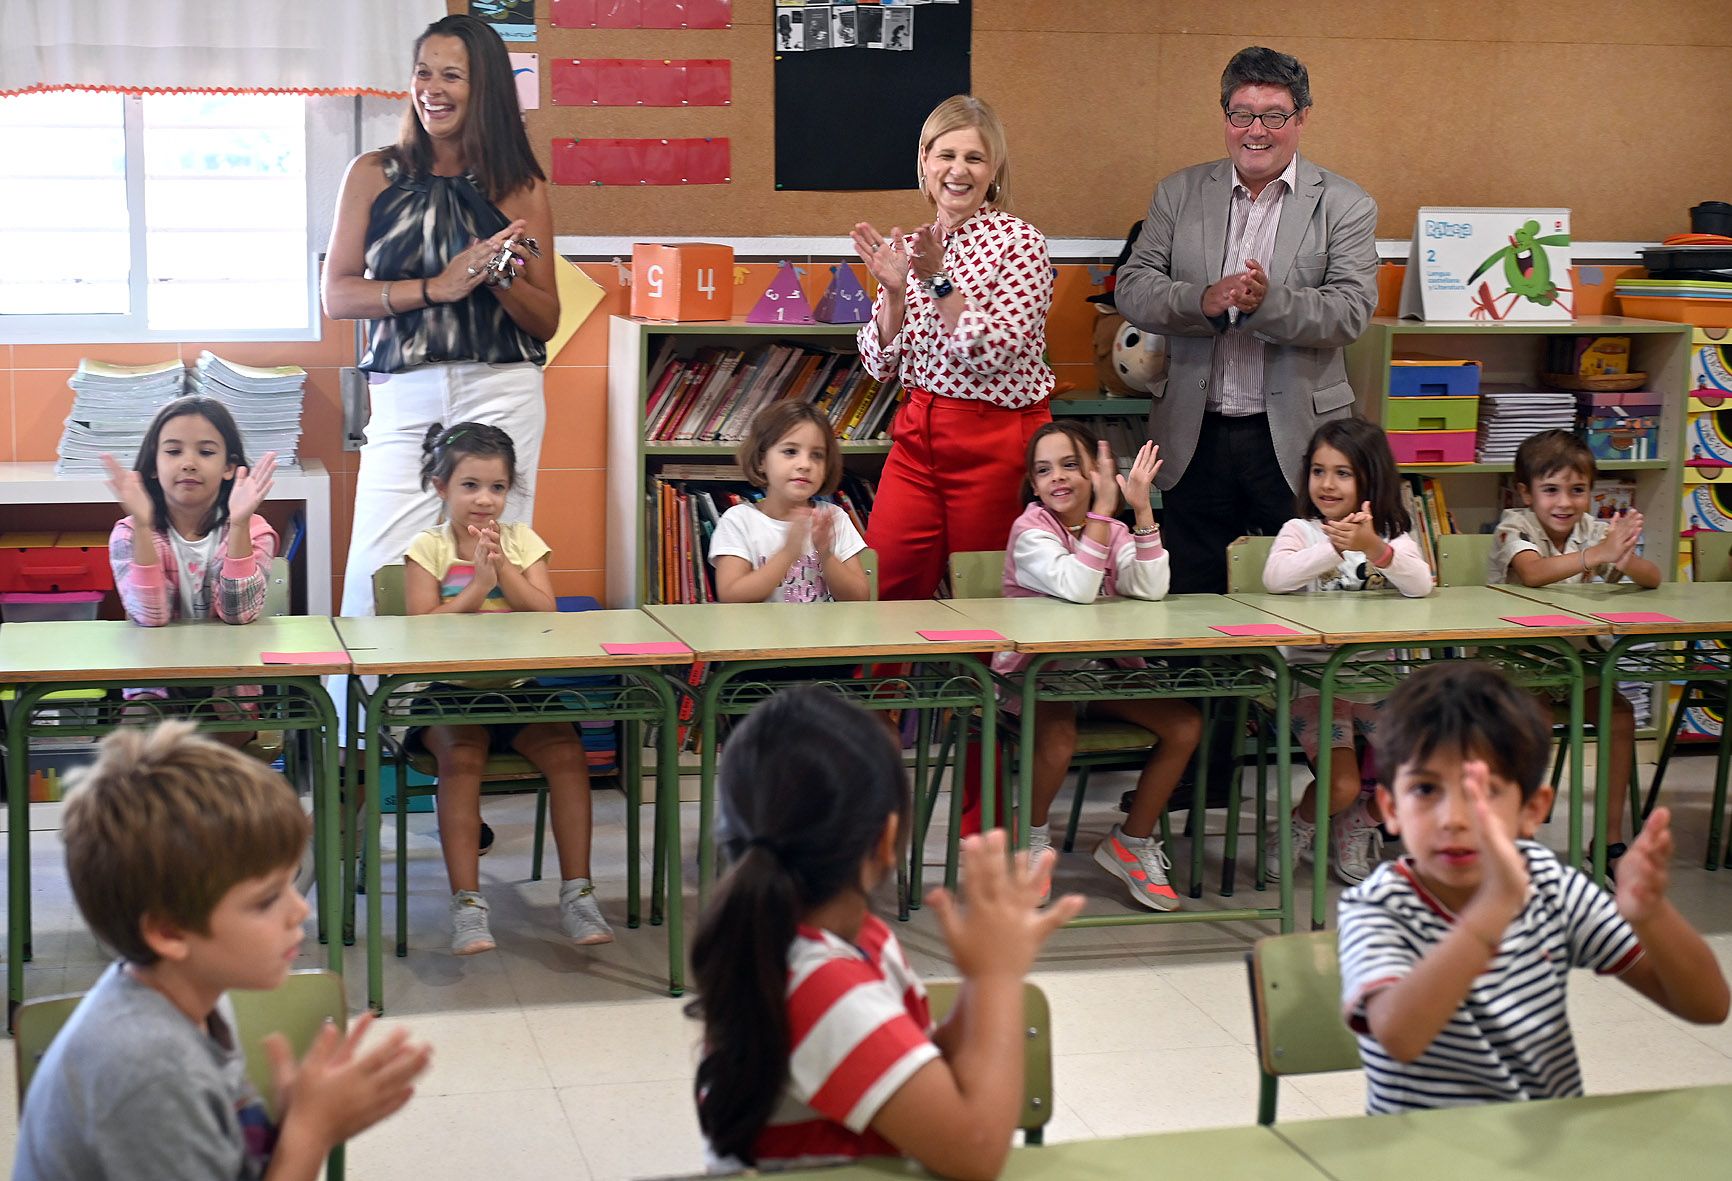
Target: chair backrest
(1246,557)
(1296,1010)
(1037,1050)
(977,574)
(388,594)
(1710,557)
(869,563)
(1462,558)
(298,1008)
(277,589)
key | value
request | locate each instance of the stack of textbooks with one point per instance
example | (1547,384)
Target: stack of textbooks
(683,505)
(266,403)
(112,405)
(712,395)
(1508,416)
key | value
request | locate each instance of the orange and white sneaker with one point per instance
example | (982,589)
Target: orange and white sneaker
(1142,866)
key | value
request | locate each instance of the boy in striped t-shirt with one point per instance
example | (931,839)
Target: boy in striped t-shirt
(1454,959)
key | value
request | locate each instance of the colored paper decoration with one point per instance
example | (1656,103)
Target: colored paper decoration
(642,161)
(642,14)
(598,82)
(845,302)
(784,302)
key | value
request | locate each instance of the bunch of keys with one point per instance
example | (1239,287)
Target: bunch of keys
(500,271)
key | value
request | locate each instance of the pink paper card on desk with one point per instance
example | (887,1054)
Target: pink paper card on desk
(648,648)
(941,635)
(1254,629)
(1636,617)
(304,657)
(1542,620)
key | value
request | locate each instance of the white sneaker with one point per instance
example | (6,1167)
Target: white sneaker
(579,916)
(1304,837)
(1040,852)
(1357,843)
(1141,865)
(470,934)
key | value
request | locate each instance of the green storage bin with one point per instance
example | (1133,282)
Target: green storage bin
(1431,414)
(388,790)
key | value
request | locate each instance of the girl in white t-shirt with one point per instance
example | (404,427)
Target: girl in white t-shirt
(1351,534)
(470,563)
(192,544)
(819,1045)
(786,548)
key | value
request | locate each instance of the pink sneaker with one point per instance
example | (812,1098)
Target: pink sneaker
(1142,866)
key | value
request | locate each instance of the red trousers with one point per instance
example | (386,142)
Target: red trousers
(952,483)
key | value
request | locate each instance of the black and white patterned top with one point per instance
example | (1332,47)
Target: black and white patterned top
(417,225)
(1510,1039)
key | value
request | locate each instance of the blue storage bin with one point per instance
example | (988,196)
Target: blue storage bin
(1434,381)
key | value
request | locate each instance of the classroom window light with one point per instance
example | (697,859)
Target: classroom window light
(154,216)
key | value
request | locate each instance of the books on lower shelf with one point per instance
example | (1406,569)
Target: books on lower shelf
(1422,497)
(711,395)
(113,405)
(683,505)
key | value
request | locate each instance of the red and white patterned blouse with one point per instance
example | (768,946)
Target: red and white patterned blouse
(1000,265)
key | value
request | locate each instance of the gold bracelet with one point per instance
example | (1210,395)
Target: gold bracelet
(385,298)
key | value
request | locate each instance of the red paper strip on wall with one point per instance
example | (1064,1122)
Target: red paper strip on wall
(642,161)
(642,14)
(612,82)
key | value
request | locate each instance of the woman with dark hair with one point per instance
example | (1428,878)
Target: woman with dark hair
(451,336)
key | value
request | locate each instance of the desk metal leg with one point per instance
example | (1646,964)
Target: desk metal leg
(371,854)
(18,848)
(1723,759)
(327,816)
(668,789)
(629,760)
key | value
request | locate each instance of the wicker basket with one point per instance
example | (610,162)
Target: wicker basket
(1599,383)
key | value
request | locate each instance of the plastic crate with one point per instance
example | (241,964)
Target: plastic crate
(1432,414)
(26,607)
(1416,448)
(1433,379)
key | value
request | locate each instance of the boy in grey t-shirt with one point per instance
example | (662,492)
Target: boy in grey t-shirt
(182,855)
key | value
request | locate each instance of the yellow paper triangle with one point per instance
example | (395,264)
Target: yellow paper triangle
(579,295)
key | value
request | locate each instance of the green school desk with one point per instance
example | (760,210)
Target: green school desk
(1470,616)
(1680,1134)
(1218,1154)
(41,658)
(746,637)
(1699,611)
(1239,668)
(405,651)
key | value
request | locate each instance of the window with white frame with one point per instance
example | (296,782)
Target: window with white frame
(128,217)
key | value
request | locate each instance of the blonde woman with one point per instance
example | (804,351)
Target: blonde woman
(960,317)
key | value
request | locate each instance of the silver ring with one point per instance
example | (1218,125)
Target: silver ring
(473,271)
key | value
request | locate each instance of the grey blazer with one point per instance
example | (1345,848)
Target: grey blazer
(1322,291)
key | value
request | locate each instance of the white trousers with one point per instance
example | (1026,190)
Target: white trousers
(391,507)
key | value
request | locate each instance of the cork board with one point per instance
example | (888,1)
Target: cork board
(1579,103)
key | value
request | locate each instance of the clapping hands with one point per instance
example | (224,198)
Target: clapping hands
(251,487)
(1104,479)
(1242,290)
(1139,486)
(1621,541)
(1355,531)
(488,556)
(128,488)
(998,926)
(887,258)
(1644,871)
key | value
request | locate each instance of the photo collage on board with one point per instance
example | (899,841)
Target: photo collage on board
(803,27)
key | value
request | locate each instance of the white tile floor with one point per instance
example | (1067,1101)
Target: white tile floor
(557,1061)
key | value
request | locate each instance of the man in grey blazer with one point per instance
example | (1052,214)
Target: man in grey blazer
(1259,270)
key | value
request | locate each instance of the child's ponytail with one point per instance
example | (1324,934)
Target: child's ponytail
(441,448)
(807,786)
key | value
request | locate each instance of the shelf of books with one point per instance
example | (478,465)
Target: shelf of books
(1458,398)
(680,399)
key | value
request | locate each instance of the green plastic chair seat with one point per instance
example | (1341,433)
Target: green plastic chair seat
(1037,1051)
(1296,1011)
(499,767)
(1102,736)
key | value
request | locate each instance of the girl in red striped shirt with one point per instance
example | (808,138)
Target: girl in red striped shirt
(818,1043)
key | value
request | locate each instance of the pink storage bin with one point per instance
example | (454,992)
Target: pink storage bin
(1423,447)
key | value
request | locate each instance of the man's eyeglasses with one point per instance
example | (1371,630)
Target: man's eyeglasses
(1273,120)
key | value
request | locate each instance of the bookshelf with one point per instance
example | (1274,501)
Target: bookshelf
(1514,354)
(633,462)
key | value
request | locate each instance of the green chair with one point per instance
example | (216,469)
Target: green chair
(1710,561)
(298,1008)
(503,773)
(869,563)
(1037,1052)
(1296,1012)
(979,574)
(1463,558)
